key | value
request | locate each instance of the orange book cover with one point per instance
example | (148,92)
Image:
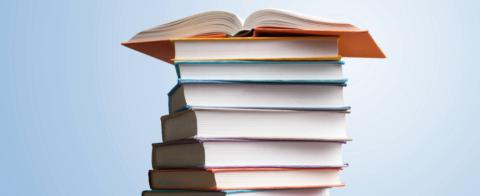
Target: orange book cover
(358,43)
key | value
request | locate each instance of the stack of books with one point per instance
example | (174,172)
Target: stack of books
(258,108)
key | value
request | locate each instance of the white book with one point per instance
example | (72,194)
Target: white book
(259,70)
(246,153)
(221,123)
(258,94)
(244,178)
(280,192)
(257,48)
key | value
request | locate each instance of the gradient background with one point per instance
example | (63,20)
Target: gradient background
(79,111)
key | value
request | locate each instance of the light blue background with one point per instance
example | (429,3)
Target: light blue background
(79,111)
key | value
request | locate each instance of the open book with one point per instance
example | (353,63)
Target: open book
(220,22)
(217,25)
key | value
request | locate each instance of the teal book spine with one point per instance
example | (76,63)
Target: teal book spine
(177,63)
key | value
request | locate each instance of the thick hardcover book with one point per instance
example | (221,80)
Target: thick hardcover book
(257,48)
(235,153)
(293,94)
(244,178)
(327,124)
(274,192)
(260,70)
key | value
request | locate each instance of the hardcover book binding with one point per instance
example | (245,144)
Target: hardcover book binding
(245,178)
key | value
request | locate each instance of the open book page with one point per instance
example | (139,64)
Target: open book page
(220,22)
(287,19)
(213,22)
